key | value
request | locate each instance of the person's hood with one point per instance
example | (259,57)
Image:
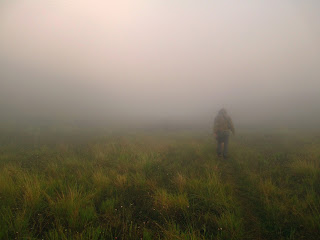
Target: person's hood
(223,112)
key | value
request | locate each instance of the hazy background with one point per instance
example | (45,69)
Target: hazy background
(152,62)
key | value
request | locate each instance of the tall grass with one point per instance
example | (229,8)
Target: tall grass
(165,186)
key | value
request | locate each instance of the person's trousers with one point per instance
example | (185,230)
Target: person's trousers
(223,138)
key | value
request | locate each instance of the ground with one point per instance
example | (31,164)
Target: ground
(74,184)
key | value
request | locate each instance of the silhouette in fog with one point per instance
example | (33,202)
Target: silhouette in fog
(221,129)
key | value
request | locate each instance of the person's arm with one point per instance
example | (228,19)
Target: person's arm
(215,127)
(231,126)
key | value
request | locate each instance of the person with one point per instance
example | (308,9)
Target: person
(221,129)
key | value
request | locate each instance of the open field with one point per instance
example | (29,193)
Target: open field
(159,185)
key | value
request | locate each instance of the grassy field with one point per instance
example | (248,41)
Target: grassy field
(158,185)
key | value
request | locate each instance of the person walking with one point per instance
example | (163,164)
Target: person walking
(221,129)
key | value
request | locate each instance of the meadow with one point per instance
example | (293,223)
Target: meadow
(72,184)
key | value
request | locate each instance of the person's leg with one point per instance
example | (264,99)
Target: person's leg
(226,144)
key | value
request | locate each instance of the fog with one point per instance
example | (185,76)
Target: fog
(160,62)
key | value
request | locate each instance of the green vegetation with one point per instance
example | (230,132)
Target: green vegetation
(158,186)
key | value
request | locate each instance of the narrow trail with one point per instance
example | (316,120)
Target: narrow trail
(246,198)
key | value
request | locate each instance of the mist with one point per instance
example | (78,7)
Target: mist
(160,62)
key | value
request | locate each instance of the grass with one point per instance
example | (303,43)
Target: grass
(165,185)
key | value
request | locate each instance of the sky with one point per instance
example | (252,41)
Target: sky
(160,61)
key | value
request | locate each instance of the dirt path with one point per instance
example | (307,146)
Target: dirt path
(246,197)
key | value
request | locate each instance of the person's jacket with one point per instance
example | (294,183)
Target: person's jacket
(223,122)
